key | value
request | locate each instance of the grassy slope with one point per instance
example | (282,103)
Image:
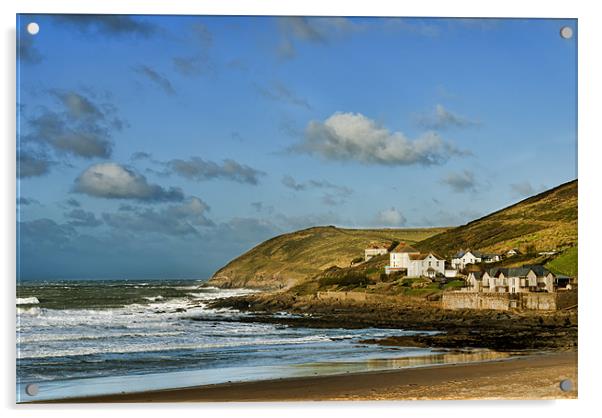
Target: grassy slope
(565,263)
(293,258)
(545,221)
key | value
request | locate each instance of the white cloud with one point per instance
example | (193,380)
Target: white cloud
(317,30)
(442,118)
(113,181)
(525,189)
(450,218)
(353,136)
(195,168)
(391,217)
(278,91)
(461,182)
(176,220)
(157,78)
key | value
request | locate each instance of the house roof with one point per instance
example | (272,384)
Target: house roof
(478,275)
(519,271)
(437,256)
(462,253)
(422,256)
(418,256)
(404,248)
(508,271)
(538,269)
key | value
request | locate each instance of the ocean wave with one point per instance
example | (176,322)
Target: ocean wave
(142,348)
(153,298)
(80,337)
(159,315)
(28,301)
(32,311)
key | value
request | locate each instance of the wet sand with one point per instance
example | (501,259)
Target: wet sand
(529,377)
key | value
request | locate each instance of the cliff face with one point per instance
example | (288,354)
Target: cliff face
(290,259)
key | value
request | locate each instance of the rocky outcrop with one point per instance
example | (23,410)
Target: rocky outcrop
(498,330)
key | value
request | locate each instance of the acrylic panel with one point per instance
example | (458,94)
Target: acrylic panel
(273,208)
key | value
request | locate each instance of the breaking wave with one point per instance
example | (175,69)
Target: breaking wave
(28,301)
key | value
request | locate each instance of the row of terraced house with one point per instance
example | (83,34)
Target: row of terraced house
(530,287)
(524,279)
(411,262)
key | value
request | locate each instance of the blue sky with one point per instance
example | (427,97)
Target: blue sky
(164,146)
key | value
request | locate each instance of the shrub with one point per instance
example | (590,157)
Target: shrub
(351,279)
(530,249)
(391,277)
(392,246)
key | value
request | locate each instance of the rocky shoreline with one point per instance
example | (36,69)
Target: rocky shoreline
(497,330)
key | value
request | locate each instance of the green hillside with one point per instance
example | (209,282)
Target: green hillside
(565,263)
(547,221)
(292,258)
(543,222)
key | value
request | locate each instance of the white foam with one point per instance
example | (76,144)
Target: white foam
(37,338)
(28,301)
(137,327)
(32,311)
(139,347)
(153,298)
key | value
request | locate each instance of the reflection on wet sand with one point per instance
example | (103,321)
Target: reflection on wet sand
(444,357)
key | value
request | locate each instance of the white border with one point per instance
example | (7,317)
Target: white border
(590,210)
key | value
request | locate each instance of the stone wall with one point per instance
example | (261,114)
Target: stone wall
(566,299)
(474,300)
(538,301)
(505,301)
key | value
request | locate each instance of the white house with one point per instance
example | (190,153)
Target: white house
(491,258)
(414,263)
(513,280)
(513,252)
(451,273)
(374,249)
(475,281)
(462,258)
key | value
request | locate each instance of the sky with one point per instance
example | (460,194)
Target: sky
(165,146)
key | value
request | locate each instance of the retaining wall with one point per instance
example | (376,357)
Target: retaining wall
(466,300)
(505,301)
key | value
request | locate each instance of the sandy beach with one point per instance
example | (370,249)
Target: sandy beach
(529,377)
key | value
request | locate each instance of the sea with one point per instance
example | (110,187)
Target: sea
(82,338)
